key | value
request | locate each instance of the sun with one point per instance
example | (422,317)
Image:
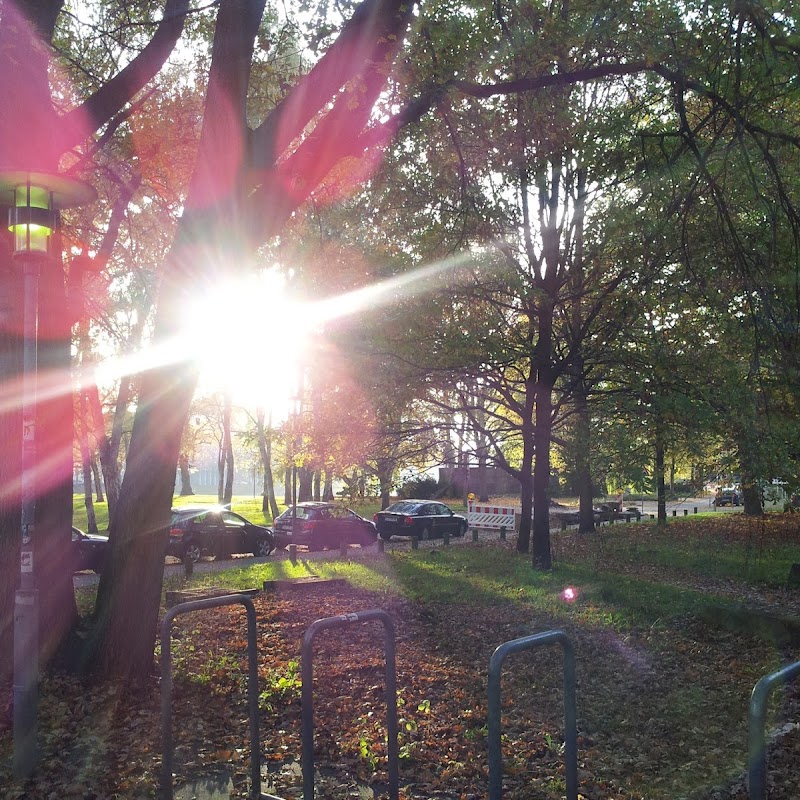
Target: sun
(249,337)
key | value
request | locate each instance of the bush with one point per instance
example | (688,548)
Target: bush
(420,489)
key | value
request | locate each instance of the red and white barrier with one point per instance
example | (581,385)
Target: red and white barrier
(490,517)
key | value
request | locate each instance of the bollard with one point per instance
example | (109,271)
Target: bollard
(474,534)
(563,524)
(414,543)
(503,532)
(695,509)
(674,512)
(425,535)
(685,512)
(381,545)
(445,538)
(293,554)
(188,566)
(343,549)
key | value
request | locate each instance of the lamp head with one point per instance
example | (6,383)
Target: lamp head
(35,199)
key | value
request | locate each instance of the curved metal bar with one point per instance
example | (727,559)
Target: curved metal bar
(307,675)
(758,718)
(570,709)
(166,687)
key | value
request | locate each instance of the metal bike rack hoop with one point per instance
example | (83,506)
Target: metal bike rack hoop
(757,767)
(570,713)
(252,689)
(307,674)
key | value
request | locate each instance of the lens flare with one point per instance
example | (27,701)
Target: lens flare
(570,594)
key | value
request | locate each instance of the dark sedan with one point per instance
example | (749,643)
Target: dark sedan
(425,519)
(89,551)
(319,525)
(215,531)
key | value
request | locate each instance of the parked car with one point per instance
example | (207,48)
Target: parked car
(89,551)
(216,531)
(422,518)
(727,496)
(319,525)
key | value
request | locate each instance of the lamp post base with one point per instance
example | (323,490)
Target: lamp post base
(26,682)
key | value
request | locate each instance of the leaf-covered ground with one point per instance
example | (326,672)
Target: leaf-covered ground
(662,701)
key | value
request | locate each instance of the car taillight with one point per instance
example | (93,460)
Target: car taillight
(176,531)
(408,520)
(308,526)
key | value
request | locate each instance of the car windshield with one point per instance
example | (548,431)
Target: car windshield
(403,508)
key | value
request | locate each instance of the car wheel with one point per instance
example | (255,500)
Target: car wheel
(192,552)
(315,545)
(386,536)
(264,547)
(462,528)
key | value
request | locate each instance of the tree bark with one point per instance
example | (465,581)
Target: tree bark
(658,474)
(98,481)
(542,558)
(264,435)
(186,475)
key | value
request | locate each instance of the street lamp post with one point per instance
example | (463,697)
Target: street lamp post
(32,218)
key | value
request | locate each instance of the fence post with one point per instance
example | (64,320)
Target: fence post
(293,554)
(445,538)
(414,543)
(381,544)
(343,549)
(503,532)
(474,534)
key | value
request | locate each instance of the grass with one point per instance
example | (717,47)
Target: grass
(663,692)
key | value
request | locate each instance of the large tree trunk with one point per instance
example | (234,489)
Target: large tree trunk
(583,470)
(526,472)
(542,558)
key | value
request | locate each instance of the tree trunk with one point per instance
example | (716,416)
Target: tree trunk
(583,468)
(542,558)
(186,475)
(305,483)
(86,464)
(327,492)
(88,501)
(526,473)
(288,483)
(108,447)
(317,485)
(98,482)
(658,475)
(269,504)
